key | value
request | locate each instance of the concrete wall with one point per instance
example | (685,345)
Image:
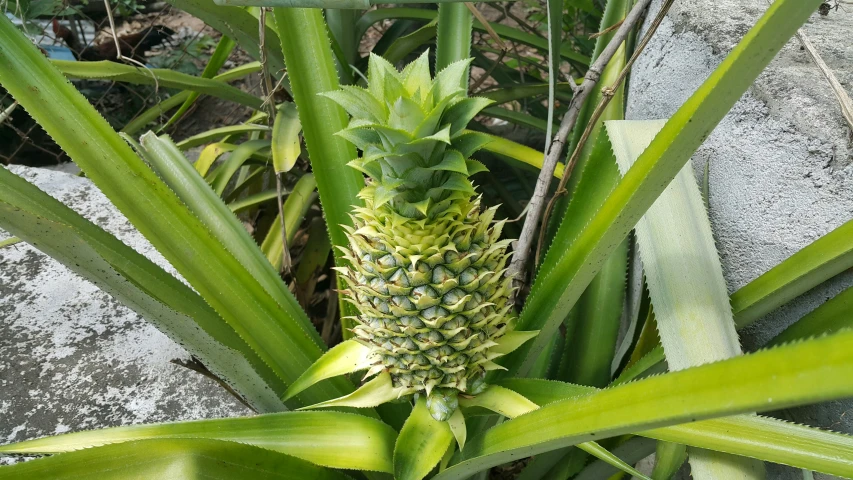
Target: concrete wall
(71,357)
(781,162)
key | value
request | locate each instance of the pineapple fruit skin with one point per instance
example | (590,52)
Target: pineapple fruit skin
(433,296)
(426,268)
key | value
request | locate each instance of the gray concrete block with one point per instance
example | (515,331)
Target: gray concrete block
(71,357)
(781,162)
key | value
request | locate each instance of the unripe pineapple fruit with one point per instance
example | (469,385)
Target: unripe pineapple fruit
(426,268)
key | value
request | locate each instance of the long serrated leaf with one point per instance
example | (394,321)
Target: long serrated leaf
(786,376)
(330,439)
(511,404)
(832,316)
(311,70)
(822,259)
(685,281)
(174,230)
(631,451)
(177,172)
(138,283)
(285,138)
(759,437)
(611,459)
(173,458)
(421,444)
(553,295)
(510,93)
(453,40)
(118,72)
(683,270)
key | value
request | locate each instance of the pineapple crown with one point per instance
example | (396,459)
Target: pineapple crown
(411,131)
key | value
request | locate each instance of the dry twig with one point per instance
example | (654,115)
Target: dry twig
(837,89)
(607,94)
(269,103)
(537,202)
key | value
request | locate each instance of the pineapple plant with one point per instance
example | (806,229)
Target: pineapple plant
(426,267)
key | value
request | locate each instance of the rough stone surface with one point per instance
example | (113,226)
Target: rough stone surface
(71,357)
(781,162)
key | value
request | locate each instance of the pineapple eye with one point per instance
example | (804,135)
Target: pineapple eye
(400,279)
(386,261)
(434,312)
(379,285)
(440,275)
(467,276)
(453,296)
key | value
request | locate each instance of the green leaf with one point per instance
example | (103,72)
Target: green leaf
(276,332)
(604,455)
(511,341)
(172,458)
(329,439)
(511,93)
(422,442)
(786,376)
(463,112)
(453,40)
(668,459)
(359,103)
(514,151)
(554,294)
(118,72)
(347,357)
(173,167)
(500,400)
(10,241)
(833,316)
(767,439)
(375,392)
(404,46)
(821,260)
(453,161)
(295,207)
(457,426)
(285,138)
(519,118)
(685,280)
(682,267)
(254,200)
(153,113)
(214,63)
(504,31)
(758,437)
(512,404)
(237,159)
(311,70)
(216,133)
(138,283)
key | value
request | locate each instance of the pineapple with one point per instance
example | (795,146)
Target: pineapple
(426,270)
